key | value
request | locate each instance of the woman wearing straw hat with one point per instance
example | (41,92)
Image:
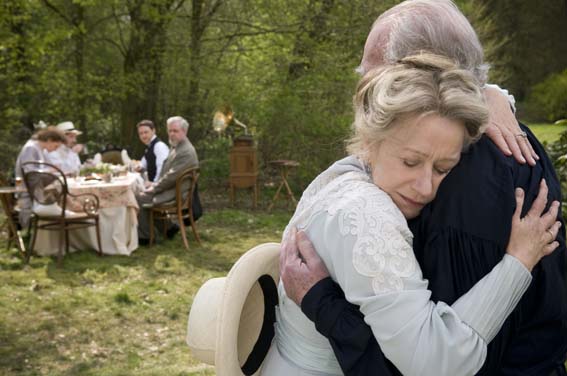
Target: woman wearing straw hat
(412,120)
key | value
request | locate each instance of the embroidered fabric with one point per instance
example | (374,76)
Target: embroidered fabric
(367,213)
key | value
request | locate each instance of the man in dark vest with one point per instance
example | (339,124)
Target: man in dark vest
(156,150)
(181,157)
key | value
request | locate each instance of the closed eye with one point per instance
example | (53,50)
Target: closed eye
(410,163)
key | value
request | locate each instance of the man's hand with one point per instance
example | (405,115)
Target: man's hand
(503,128)
(148,186)
(300,265)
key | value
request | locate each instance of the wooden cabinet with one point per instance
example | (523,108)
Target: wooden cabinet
(243,167)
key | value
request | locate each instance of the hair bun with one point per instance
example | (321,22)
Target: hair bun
(429,61)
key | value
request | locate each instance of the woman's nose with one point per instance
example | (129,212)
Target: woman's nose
(423,184)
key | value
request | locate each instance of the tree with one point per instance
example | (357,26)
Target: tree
(147,26)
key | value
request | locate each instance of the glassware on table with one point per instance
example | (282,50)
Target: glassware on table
(18,183)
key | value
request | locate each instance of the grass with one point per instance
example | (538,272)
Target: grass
(117,315)
(547,132)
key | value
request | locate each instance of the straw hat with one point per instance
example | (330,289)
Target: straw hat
(68,127)
(231,323)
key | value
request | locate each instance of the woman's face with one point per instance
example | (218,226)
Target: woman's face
(413,159)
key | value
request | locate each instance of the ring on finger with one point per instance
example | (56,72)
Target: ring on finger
(552,236)
(521,134)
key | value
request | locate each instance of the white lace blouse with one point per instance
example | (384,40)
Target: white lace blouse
(366,244)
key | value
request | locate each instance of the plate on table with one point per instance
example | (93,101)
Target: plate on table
(90,182)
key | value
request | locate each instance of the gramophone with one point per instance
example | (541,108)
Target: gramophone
(242,155)
(223,117)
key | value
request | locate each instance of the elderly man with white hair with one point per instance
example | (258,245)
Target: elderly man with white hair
(457,239)
(182,156)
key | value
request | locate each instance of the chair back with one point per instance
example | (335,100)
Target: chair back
(46,184)
(185,187)
(112,157)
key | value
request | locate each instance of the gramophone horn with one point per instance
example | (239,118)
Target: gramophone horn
(220,122)
(223,117)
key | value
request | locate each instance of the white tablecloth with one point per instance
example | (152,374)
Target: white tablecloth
(118,220)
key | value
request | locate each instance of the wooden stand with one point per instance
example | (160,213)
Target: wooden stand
(244,167)
(284,166)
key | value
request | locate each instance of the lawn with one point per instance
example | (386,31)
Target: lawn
(547,132)
(117,315)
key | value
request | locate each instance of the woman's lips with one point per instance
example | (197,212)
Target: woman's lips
(411,202)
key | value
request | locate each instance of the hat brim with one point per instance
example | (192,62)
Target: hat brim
(74,131)
(260,264)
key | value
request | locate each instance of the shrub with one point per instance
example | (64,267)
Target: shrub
(558,153)
(548,99)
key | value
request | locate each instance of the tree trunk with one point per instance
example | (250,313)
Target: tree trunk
(143,67)
(79,54)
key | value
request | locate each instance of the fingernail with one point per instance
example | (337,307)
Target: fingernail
(519,192)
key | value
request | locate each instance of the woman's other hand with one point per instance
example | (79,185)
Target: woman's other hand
(504,130)
(300,265)
(533,236)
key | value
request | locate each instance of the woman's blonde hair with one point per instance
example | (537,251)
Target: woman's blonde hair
(417,85)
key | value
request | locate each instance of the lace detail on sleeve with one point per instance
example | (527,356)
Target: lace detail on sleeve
(383,246)
(382,249)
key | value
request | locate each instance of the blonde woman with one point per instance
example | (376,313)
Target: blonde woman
(412,120)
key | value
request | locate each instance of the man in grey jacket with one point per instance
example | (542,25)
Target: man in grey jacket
(182,156)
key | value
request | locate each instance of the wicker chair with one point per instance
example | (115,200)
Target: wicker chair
(180,209)
(47,185)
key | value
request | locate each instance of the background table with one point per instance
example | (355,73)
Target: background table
(118,219)
(8,201)
(284,165)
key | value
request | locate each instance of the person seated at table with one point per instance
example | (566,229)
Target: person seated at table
(48,139)
(181,157)
(66,157)
(156,150)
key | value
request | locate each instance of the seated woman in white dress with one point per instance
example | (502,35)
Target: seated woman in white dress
(46,140)
(412,120)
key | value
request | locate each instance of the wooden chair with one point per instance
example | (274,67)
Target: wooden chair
(180,209)
(47,185)
(111,156)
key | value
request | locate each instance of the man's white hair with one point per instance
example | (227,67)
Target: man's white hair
(436,26)
(180,121)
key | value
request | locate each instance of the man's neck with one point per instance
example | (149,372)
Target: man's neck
(151,139)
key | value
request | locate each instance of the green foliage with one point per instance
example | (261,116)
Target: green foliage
(286,68)
(548,99)
(524,40)
(547,133)
(558,153)
(101,169)
(213,158)
(123,298)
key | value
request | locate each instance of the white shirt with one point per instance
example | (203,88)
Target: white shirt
(65,158)
(161,151)
(365,242)
(506,93)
